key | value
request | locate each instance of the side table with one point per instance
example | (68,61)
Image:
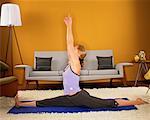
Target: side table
(21,67)
(142,68)
(27,81)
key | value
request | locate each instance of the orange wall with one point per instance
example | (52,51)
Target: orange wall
(120,25)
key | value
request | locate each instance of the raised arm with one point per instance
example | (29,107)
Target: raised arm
(69,37)
(72,54)
(70,40)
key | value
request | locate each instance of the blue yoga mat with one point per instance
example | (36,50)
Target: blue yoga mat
(23,110)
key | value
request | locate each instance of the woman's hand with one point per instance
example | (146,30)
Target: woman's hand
(68,21)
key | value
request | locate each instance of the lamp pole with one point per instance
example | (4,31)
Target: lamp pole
(10,42)
(10,16)
(17,44)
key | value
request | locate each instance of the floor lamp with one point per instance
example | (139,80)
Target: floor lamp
(10,17)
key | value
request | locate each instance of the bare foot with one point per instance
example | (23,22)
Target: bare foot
(140,101)
(17,101)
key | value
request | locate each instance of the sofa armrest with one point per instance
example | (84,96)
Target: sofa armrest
(3,66)
(28,69)
(120,67)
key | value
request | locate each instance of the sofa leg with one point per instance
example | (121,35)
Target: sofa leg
(36,81)
(27,84)
(124,81)
(37,84)
(111,82)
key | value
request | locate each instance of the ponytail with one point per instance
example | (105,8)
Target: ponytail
(81,61)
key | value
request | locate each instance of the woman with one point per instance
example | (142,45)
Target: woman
(74,96)
(76,54)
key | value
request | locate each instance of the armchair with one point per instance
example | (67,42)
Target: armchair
(8,84)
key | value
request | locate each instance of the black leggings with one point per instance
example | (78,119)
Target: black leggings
(80,99)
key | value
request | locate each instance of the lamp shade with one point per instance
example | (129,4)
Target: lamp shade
(10,15)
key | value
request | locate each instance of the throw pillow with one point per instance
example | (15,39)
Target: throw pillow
(104,62)
(43,64)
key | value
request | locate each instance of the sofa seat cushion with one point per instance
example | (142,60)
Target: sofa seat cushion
(83,72)
(103,72)
(44,73)
(7,80)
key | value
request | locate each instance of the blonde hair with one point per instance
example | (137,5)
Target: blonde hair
(81,48)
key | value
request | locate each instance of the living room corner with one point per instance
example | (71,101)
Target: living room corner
(33,51)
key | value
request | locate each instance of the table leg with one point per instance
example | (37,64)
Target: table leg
(138,73)
(148,89)
(146,67)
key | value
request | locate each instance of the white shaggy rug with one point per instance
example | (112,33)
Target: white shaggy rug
(143,112)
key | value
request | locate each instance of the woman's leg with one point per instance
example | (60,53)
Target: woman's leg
(19,103)
(122,102)
(93,102)
(81,99)
(57,101)
(85,99)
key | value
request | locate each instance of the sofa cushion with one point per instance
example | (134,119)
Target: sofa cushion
(44,73)
(84,72)
(104,62)
(60,72)
(59,59)
(103,72)
(43,64)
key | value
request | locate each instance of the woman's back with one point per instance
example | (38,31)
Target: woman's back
(70,81)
